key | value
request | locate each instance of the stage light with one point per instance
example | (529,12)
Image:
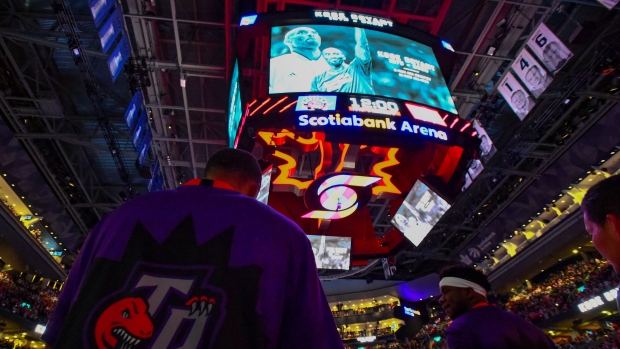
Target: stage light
(447,45)
(491,50)
(247,20)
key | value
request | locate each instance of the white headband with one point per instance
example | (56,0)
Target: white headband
(462,283)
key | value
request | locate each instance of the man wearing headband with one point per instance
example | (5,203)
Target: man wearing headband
(476,324)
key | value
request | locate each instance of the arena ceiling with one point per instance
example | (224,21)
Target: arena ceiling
(76,161)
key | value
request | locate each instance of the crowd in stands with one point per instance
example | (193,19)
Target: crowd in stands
(343,312)
(5,344)
(607,339)
(561,290)
(30,300)
(347,333)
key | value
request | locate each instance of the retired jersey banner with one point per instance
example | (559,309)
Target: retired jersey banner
(534,76)
(549,49)
(516,95)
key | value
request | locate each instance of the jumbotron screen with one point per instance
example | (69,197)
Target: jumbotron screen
(331,252)
(349,59)
(419,213)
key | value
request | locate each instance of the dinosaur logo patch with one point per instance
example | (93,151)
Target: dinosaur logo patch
(173,294)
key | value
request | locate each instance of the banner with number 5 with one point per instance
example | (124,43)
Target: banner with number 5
(535,77)
(516,95)
(549,49)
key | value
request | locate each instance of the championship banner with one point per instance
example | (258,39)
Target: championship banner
(119,57)
(516,95)
(535,77)
(134,109)
(549,49)
(112,28)
(99,9)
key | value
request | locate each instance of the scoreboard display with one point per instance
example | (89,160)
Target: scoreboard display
(328,93)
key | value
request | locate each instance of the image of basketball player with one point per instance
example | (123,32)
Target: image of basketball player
(294,71)
(354,77)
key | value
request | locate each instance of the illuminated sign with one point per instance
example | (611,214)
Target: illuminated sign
(421,113)
(591,304)
(610,295)
(377,106)
(367,339)
(56,253)
(40,329)
(371,123)
(409,311)
(597,301)
(247,20)
(317,102)
(338,195)
(354,18)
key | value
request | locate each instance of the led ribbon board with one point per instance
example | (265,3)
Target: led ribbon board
(338,195)
(386,124)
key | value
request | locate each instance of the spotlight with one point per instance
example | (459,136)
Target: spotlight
(491,50)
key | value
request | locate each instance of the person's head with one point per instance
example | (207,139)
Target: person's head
(333,56)
(237,168)
(535,77)
(601,215)
(553,56)
(302,38)
(461,288)
(519,100)
(401,220)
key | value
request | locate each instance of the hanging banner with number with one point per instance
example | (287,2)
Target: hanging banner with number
(516,95)
(535,77)
(549,49)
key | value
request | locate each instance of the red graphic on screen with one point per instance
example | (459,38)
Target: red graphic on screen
(126,321)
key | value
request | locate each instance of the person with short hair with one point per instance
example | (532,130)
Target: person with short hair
(475,323)
(520,103)
(601,215)
(555,57)
(294,71)
(354,77)
(537,80)
(204,265)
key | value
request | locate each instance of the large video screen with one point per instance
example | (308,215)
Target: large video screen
(329,58)
(419,213)
(234,107)
(263,192)
(331,252)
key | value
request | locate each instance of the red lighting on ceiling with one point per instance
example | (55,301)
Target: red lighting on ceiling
(288,106)
(474,134)
(260,106)
(252,103)
(465,127)
(454,122)
(274,105)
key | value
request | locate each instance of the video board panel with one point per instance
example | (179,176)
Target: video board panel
(343,59)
